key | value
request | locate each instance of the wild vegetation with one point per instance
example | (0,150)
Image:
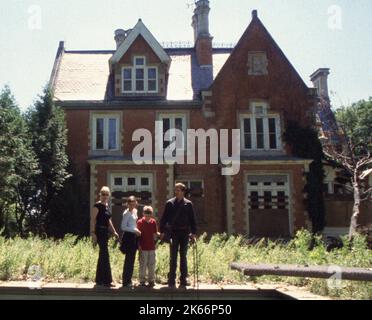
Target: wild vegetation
(75,260)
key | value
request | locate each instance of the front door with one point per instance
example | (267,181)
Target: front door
(268,206)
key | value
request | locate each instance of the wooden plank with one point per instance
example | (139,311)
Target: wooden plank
(323,272)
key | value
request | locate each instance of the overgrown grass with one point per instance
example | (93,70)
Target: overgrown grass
(75,260)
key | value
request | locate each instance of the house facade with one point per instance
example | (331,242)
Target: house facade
(108,95)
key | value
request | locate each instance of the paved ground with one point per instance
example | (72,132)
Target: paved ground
(40,290)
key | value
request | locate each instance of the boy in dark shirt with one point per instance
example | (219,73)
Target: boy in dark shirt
(147,257)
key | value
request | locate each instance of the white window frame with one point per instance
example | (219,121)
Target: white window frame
(145,68)
(274,189)
(137,187)
(106,118)
(172,117)
(265,116)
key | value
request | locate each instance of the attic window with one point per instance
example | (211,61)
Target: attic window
(140,78)
(257,63)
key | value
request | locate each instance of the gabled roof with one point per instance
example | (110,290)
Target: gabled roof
(85,75)
(256,24)
(140,29)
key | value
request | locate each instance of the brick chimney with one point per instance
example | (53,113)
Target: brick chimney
(320,80)
(120,36)
(202,38)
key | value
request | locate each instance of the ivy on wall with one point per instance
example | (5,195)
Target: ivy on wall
(304,143)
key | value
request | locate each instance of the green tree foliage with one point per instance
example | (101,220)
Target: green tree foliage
(49,139)
(18,165)
(69,210)
(305,143)
(356,122)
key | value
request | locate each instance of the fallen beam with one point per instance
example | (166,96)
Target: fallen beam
(322,272)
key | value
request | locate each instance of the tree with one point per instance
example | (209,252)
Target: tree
(17,162)
(353,153)
(69,210)
(49,139)
(356,122)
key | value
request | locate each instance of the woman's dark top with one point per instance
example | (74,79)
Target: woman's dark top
(103,216)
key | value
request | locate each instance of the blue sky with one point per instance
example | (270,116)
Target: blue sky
(312,33)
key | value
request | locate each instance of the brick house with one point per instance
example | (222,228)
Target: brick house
(107,95)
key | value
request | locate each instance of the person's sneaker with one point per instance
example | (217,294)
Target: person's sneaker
(127,285)
(142,284)
(151,284)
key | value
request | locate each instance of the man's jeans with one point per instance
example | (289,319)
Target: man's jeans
(179,242)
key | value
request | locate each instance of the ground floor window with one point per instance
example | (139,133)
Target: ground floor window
(268,206)
(124,185)
(268,192)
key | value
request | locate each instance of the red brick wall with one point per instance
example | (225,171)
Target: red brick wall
(77,122)
(203,48)
(282,88)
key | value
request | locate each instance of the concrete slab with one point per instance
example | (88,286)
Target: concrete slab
(65,290)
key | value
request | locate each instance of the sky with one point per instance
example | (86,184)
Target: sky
(335,34)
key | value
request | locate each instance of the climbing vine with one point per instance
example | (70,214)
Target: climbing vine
(305,143)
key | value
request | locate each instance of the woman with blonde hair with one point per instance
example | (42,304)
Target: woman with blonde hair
(100,225)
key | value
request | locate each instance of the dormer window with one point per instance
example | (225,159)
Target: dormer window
(140,78)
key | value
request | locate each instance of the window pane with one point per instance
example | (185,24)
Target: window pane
(196,185)
(247,134)
(281,198)
(272,133)
(131,181)
(254,200)
(179,123)
(268,199)
(127,85)
(152,85)
(127,74)
(144,181)
(260,133)
(247,125)
(99,134)
(179,126)
(140,74)
(166,127)
(140,61)
(248,141)
(259,110)
(151,73)
(118,181)
(140,85)
(112,134)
